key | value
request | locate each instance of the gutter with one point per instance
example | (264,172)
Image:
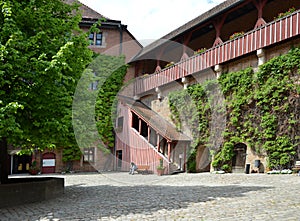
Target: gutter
(121,38)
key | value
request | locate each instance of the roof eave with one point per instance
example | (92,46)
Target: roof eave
(201,19)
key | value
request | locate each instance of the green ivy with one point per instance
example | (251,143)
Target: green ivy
(110,71)
(262,110)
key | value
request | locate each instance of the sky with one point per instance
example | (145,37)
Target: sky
(149,20)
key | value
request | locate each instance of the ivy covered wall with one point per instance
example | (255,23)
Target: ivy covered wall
(107,74)
(262,109)
(110,71)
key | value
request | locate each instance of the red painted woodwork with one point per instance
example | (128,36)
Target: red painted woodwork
(48,168)
(135,148)
(261,37)
(260,6)
(218,24)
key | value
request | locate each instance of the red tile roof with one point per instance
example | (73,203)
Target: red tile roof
(159,124)
(87,12)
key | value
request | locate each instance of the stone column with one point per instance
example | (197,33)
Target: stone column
(185,82)
(158,91)
(218,70)
(261,56)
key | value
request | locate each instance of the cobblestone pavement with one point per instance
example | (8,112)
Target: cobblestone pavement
(120,196)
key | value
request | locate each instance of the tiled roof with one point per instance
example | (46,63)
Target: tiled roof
(159,124)
(221,8)
(89,16)
(87,12)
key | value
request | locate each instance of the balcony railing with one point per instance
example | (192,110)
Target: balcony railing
(264,36)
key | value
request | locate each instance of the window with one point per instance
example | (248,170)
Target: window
(120,122)
(119,126)
(93,86)
(89,154)
(99,39)
(153,137)
(135,122)
(91,38)
(144,129)
(95,38)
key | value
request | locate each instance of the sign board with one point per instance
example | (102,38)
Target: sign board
(48,162)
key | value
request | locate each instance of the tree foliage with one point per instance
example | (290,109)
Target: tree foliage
(42,55)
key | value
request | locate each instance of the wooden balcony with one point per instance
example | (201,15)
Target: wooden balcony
(269,34)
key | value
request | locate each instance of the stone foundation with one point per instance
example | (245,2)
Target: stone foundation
(29,190)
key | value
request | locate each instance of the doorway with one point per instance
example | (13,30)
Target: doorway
(48,164)
(239,158)
(20,163)
(119,159)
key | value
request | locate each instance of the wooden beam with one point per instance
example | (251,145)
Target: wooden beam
(259,4)
(140,126)
(218,24)
(169,151)
(158,143)
(149,133)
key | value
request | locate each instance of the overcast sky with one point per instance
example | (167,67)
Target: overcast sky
(150,20)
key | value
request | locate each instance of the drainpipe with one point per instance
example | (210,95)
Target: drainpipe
(121,39)
(114,153)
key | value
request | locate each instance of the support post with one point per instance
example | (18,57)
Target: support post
(184,56)
(261,56)
(158,143)
(185,82)
(218,70)
(158,91)
(260,6)
(218,24)
(140,126)
(169,155)
(149,133)
(157,69)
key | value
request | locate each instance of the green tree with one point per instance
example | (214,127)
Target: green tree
(42,55)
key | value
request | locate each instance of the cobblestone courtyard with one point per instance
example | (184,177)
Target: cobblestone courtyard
(120,196)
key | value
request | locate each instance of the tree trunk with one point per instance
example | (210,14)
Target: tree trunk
(3,161)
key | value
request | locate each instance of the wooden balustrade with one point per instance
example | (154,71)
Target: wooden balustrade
(261,37)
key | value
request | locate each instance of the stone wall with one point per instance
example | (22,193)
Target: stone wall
(29,190)
(161,106)
(252,156)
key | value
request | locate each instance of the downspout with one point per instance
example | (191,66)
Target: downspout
(115,158)
(121,39)
(115,153)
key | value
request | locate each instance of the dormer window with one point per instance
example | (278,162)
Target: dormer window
(95,38)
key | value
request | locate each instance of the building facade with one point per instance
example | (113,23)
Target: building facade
(113,39)
(233,36)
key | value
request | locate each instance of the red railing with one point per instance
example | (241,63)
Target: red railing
(264,36)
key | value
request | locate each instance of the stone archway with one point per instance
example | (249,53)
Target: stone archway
(239,158)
